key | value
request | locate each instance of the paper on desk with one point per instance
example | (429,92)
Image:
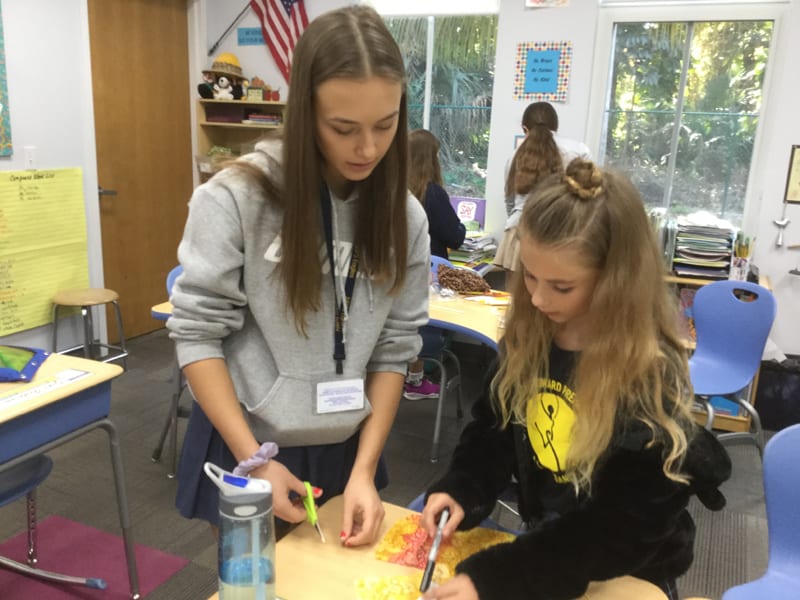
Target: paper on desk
(490,300)
(17,394)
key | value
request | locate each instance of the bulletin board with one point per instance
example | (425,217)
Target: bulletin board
(42,244)
(5,121)
(542,71)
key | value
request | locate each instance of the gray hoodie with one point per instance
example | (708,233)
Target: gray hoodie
(230,303)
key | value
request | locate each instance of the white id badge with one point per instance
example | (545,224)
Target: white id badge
(340,396)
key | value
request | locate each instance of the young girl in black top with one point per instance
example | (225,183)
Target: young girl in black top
(589,409)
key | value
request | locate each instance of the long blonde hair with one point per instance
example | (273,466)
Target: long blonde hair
(634,365)
(423,163)
(352,42)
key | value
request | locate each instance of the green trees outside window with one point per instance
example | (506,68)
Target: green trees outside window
(458,107)
(682,111)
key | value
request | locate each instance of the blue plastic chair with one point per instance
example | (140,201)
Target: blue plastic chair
(171,425)
(435,350)
(22,480)
(732,320)
(781,485)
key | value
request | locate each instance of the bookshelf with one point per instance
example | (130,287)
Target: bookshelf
(233,124)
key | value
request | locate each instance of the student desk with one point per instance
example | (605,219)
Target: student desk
(68,396)
(307,569)
(469,317)
(480,321)
(161,311)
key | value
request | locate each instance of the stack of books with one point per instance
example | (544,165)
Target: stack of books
(703,247)
(262,119)
(477,252)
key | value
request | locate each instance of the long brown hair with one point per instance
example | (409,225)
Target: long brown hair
(352,43)
(539,119)
(634,365)
(423,164)
(537,157)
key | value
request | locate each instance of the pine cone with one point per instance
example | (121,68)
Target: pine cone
(462,280)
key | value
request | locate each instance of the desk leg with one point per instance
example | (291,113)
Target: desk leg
(122,504)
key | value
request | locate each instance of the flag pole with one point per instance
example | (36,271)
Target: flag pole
(228,30)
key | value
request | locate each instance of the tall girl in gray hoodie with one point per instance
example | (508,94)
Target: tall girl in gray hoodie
(305,269)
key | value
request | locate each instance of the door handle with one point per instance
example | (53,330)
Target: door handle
(104,192)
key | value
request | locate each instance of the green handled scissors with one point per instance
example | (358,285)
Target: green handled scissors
(311,510)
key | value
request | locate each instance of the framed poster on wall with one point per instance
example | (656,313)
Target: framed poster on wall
(5,121)
(542,71)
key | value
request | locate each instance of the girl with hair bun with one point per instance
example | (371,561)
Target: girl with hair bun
(588,408)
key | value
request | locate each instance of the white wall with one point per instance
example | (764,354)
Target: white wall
(50,104)
(780,129)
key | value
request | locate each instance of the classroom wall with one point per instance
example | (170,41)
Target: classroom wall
(50,104)
(780,129)
(47,58)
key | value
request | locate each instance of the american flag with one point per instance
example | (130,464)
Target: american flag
(282,22)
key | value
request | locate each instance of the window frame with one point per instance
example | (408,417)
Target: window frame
(600,87)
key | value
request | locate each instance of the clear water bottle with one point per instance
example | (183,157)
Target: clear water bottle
(246,555)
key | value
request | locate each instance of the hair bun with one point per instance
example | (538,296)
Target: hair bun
(584,178)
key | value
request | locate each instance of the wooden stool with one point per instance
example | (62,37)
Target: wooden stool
(86,298)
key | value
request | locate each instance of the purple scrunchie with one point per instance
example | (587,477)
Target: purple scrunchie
(261,457)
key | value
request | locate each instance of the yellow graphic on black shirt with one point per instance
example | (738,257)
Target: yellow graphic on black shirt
(549,420)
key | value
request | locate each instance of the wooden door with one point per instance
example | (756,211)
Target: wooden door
(140,75)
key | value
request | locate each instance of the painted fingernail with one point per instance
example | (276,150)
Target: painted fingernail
(317,491)
(342,535)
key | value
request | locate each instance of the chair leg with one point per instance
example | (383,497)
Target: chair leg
(123,349)
(30,569)
(171,425)
(706,402)
(756,433)
(455,381)
(439,406)
(30,506)
(88,331)
(90,582)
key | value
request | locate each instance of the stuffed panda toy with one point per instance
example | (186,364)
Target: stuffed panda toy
(223,89)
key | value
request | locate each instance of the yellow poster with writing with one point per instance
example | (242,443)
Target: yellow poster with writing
(42,243)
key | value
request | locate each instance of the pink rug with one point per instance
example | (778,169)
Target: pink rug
(75,549)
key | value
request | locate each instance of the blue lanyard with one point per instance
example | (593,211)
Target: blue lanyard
(349,284)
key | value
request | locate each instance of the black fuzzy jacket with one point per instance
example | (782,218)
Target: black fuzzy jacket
(634,523)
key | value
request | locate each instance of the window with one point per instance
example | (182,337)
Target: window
(450,90)
(682,110)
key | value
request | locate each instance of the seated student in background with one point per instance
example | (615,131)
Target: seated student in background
(537,158)
(306,264)
(588,407)
(445,229)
